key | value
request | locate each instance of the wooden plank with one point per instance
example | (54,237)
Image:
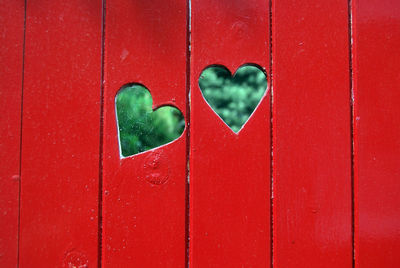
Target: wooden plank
(312,212)
(144,223)
(229,173)
(60,143)
(11,58)
(376,65)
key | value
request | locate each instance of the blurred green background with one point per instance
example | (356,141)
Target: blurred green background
(234,99)
(141,128)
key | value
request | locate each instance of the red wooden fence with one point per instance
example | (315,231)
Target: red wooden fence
(311,180)
(312,134)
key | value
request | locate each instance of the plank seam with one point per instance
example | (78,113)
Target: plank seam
(101,141)
(187,201)
(271,141)
(350,33)
(20,136)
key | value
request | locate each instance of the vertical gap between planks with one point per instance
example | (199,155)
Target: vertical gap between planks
(187,199)
(350,32)
(20,135)
(271,140)
(101,142)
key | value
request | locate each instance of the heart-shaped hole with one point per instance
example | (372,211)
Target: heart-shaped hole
(141,128)
(233,99)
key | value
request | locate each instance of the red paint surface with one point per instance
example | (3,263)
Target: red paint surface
(311,135)
(229,173)
(144,196)
(376,57)
(11,50)
(144,223)
(60,143)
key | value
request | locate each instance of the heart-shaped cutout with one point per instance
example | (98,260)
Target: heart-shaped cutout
(233,99)
(140,128)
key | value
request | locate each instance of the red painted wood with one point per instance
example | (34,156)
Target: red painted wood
(376,65)
(311,134)
(60,143)
(144,223)
(11,50)
(229,173)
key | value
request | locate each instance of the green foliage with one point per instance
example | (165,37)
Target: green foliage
(141,128)
(233,99)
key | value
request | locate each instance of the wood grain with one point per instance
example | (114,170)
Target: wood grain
(145,194)
(60,142)
(311,134)
(229,172)
(11,58)
(376,61)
